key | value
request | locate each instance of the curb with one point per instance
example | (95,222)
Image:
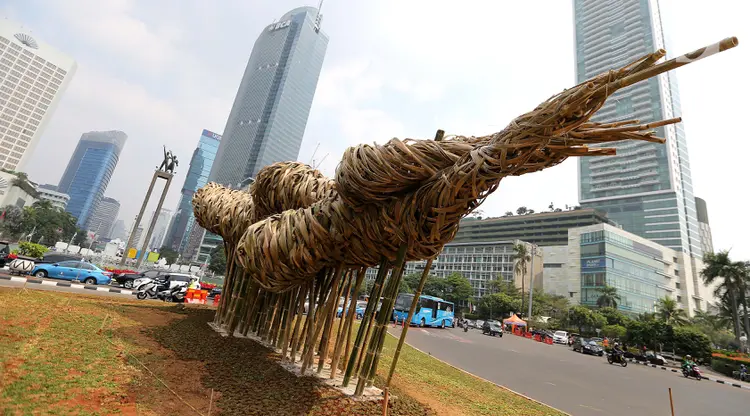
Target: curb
(21,279)
(675,370)
(484,379)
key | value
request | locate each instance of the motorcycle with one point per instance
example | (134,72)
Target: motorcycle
(175,294)
(149,289)
(692,371)
(466,328)
(617,358)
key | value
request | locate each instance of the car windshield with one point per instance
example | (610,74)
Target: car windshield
(403,302)
(593,343)
(561,334)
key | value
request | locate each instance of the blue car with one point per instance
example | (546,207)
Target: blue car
(359,310)
(74,270)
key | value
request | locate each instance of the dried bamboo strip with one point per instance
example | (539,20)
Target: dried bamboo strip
(346,315)
(330,318)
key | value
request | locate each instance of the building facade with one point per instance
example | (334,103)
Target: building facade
(33,77)
(89,170)
(543,229)
(160,228)
(196,178)
(57,199)
(641,270)
(119,230)
(11,194)
(104,217)
(270,111)
(480,263)
(273,102)
(707,242)
(647,187)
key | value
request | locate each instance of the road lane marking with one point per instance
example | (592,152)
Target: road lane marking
(551,384)
(592,408)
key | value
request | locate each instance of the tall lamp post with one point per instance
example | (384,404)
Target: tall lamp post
(531,284)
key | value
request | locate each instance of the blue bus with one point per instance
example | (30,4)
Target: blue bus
(430,311)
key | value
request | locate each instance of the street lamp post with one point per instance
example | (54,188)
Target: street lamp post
(531,285)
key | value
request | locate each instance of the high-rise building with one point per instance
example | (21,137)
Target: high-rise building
(707,243)
(270,111)
(160,228)
(104,217)
(89,170)
(196,178)
(33,76)
(647,187)
(119,230)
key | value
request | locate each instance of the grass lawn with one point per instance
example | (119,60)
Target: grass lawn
(54,359)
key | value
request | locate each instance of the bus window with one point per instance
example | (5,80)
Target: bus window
(403,302)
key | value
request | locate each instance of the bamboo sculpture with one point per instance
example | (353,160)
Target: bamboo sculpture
(299,241)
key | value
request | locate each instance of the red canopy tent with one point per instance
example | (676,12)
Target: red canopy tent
(514,321)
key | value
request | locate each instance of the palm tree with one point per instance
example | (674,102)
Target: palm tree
(608,297)
(670,312)
(731,276)
(43,204)
(521,258)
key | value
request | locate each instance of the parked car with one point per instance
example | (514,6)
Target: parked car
(587,346)
(359,309)
(560,337)
(73,270)
(215,291)
(492,328)
(59,258)
(4,253)
(127,279)
(654,358)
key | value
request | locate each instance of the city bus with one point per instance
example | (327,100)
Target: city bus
(430,311)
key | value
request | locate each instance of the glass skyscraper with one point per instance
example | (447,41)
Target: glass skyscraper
(89,171)
(196,178)
(647,188)
(270,111)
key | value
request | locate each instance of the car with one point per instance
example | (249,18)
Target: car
(492,328)
(654,358)
(214,292)
(4,253)
(587,346)
(560,337)
(359,309)
(73,270)
(128,279)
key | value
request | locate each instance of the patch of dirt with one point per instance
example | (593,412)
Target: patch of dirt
(96,400)
(417,393)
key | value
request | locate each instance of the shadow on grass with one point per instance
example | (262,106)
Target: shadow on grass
(249,379)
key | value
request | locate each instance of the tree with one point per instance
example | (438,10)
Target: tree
(169,255)
(521,210)
(508,214)
(521,257)
(22,181)
(217,260)
(12,223)
(731,277)
(582,317)
(31,249)
(497,305)
(613,316)
(412,281)
(669,312)
(608,297)
(454,288)
(614,331)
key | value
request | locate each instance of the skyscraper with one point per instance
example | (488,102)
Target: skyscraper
(707,242)
(119,230)
(647,187)
(160,228)
(33,76)
(270,111)
(104,217)
(89,170)
(197,177)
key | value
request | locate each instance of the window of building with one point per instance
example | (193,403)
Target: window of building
(677,285)
(679,298)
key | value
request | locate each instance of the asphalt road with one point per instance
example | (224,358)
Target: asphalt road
(575,383)
(37,286)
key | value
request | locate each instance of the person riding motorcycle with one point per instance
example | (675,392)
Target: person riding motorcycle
(743,372)
(687,362)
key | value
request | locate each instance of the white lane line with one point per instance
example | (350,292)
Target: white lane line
(17,279)
(592,408)
(102,289)
(514,351)
(551,384)
(74,286)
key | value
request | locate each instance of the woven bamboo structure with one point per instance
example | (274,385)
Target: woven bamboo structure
(298,241)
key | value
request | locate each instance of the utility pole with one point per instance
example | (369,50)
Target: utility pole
(531,285)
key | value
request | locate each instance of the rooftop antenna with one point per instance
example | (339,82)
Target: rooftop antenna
(315,166)
(318,17)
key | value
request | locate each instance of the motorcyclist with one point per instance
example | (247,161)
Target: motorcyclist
(688,363)
(743,372)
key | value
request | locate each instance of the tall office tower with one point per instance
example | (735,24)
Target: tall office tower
(89,171)
(647,187)
(104,217)
(707,242)
(270,111)
(160,228)
(196,178)
(119,230)
(33,76)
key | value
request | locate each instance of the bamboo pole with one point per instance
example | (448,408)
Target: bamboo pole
(364,327)
(368,370)
(350,329)
(287,319)
(297,337)
(347,315)
(226,287)
(236,305)
(337,287)
(295,315)
(407,323)
(671,403)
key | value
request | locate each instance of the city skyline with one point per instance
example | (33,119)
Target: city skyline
(174,81)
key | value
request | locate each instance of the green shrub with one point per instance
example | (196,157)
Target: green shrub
(687,340)
(31,249)
(725,365)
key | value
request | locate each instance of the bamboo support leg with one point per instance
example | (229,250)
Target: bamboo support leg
(338,286)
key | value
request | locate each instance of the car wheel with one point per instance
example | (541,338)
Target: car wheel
(41,273)
(90,281)
(128,284)
(421,323)
(601,354)
(442,324)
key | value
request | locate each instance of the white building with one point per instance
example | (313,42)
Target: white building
(14,195)
(33,76)
(58,199)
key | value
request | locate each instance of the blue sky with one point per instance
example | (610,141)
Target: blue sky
(164,70)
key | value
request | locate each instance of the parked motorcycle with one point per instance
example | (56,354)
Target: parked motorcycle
(175,294)
(617,358)
(149,289)
(692,371)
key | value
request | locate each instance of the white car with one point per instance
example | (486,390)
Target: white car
(560,337)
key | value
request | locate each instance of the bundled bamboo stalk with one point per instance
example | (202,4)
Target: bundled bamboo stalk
(290,237)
